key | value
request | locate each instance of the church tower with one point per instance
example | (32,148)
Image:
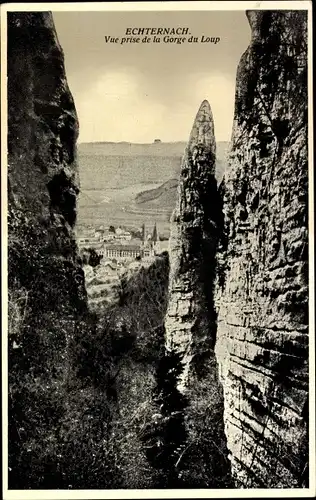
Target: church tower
(143,234)
(155,240)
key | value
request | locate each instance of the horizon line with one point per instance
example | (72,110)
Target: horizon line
(139,143)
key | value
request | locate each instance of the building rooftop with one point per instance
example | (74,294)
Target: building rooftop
(130,248)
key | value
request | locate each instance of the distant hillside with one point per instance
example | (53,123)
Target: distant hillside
(119,165)
(132,149)
(131,184)
(112,165)
(165,195)
(162,196)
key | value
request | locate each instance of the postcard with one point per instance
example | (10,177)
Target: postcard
(157,256)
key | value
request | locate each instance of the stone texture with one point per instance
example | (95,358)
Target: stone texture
(42,170)
(262,289)
(193,237)
(190,323)
(46,292)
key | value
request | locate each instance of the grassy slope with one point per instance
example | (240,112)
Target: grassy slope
(117,165)
(114,169)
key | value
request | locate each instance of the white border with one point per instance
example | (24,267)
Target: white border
(165,7)
(194,5)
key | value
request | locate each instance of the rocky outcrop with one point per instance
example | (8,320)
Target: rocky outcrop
(193,239)
(259,323)
(47,296)
(42,171)
(190,323)
(262,294)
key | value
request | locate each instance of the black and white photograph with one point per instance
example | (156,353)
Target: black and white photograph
(157,270)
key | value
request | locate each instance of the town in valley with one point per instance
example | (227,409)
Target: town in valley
(110,253)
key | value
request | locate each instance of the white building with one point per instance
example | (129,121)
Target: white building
(122,252)
(123,236)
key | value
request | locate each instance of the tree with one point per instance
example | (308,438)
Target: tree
(94,258)
(166,435)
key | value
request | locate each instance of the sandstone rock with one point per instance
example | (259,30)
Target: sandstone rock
(190,322)
(194,232)
(262,301)
(42,171)
(47,298)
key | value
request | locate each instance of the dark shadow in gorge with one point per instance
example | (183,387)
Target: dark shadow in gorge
(205,463)
(185,441)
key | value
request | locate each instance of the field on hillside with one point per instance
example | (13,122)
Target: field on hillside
(98,171)
(113,177)
(133,149)
(116,207)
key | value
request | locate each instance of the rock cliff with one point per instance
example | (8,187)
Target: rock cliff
(47,296)
(42,171)
(252,305)
(262,293)
(193,240)
(190,323)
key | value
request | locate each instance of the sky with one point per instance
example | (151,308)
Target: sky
(147,91)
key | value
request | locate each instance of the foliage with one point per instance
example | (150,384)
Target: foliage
(134,326)
(93,402)
(17,310)
(58,422)
(139,314)
(165,434)
(80,387)
(90,257)
(204,463)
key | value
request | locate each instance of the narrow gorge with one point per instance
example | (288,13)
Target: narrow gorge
(198,376)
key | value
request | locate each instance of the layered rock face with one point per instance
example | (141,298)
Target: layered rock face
(193,239)
(190,323)
(46,283)
(262,295)
(42,171)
